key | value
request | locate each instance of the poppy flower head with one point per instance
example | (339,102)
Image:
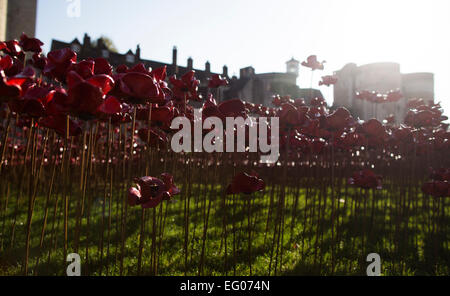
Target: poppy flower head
(374,128)
(245,183)
(216,81)
(366,179)
(58,123)
(86,96)
(140,88)
(394,96)
(30,44)
(289,115)
(186,87)
(232,108)
(38,61)
(59,63)
(170,186)
(339,119)
(11,88)
(110,106)
(441,174)
(150,191)
(311,62)
(159,74)
(328,80)
(12,48)
(102,66)
(158,138)
(84,68)
(6,62)
(437,188)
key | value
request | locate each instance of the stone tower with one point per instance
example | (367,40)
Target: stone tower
(293,66)
(21,17)
(3,16)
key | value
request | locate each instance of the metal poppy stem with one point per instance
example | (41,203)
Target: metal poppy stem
(141,241)
(105,183)
(47,204)
(31,176)
(5,140)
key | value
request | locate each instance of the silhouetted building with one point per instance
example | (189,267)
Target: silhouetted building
(252,87)
(382,78)
(87,50)
(260,88)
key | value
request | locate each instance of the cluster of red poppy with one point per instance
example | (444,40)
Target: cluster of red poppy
(61,94)
(366,179)
(439,186)
(88,89)
(375,97)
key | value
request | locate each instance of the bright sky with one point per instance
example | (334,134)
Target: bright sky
(266,33)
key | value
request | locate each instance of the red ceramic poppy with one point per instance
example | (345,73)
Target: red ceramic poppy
(84,68)
(245,183)
(328,80)
(34,101)
(86,96)
(59,63)
(150,191)
(290,116)
(6,63)
(370,96)
(140,68)
(311,62)
(30,44)
(374,128)
(57,102)
(39,61)
(170,186)
(140,88)
(232,108)
(394,96)
(210,108)
(58,123)
(158,138)
(159,74)
(216,81)
(110,106)
(437,188)
(10,87)
(186,87)
(13,48)
(102,66)
(366,179)
(339,119)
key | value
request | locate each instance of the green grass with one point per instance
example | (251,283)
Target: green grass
(405,239)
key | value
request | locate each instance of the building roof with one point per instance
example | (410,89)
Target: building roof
(116,59)
(292,60)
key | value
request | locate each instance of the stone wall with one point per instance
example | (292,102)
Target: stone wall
(380,77)
(21,18)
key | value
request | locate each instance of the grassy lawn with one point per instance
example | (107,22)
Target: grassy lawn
(296,239)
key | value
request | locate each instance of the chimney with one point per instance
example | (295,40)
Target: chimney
(138,52)
(207,67)
(190,63)
(101,43)
(87,41)
(225,71)
(174,60)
